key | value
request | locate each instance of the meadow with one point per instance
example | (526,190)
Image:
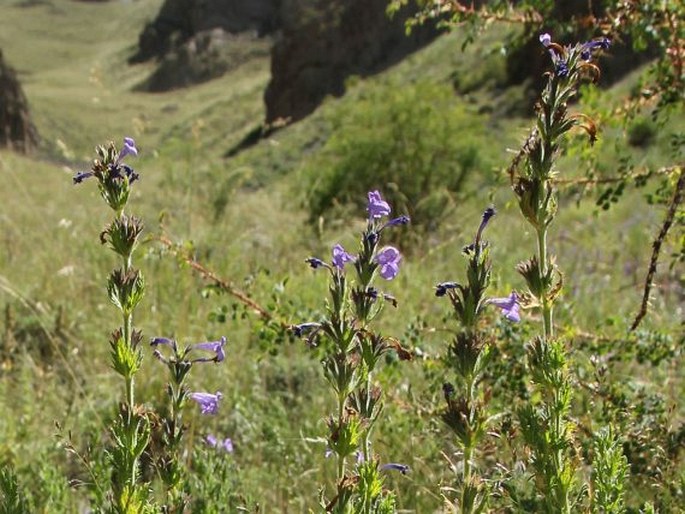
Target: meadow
(253,218)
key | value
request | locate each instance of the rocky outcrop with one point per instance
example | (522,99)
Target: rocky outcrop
(17,132)
(181,20)
(325,41)
(197,40)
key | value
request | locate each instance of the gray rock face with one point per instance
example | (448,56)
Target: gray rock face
(325,41)
(181,20)
(17,132)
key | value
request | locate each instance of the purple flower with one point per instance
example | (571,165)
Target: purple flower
(314,263)
(226,444)
(340,257)
(81,176)
(389,261)
(208,402)
(377,207)
(442,288)
(401,220)
(214,346)
(157,341)
(487,215)
(602,43)
(303,328)
(545,39)
(128,149)
(402,468)
(561,68)
(509,306)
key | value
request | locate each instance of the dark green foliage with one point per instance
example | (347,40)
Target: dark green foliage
(414,143)
(641,132)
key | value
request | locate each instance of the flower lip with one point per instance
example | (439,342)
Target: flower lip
(377,207)
(545,39)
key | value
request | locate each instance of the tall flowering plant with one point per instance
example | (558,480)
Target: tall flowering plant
(547,428)
(466,413)
(131,433)
(351,353)
(125,288)
(170,462)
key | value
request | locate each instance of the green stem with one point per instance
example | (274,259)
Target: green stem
(546,305)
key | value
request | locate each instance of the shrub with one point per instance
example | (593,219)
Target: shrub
(417,144)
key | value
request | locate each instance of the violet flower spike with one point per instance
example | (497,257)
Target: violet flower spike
(377,207)
(213,346)
(340,257)
(509,306)
(402,468)
(389,261)
(208,402)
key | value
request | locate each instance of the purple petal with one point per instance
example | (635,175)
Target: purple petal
(208,402)
(509,306)
(402,468)
(214,346)
(340,257)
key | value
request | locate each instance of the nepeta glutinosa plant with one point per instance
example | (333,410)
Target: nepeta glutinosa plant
(179,361)
(468,355)
(125,287)
(351,353)
(546,427)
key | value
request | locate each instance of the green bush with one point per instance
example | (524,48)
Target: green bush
(641,132)
(417,145)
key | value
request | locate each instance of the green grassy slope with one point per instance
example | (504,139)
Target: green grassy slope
(246,219)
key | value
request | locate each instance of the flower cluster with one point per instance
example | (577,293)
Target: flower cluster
(565,58)
(386,260)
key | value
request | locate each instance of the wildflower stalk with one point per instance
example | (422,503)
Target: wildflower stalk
(546,427)
(469,353)
(351,352)
(125,286)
